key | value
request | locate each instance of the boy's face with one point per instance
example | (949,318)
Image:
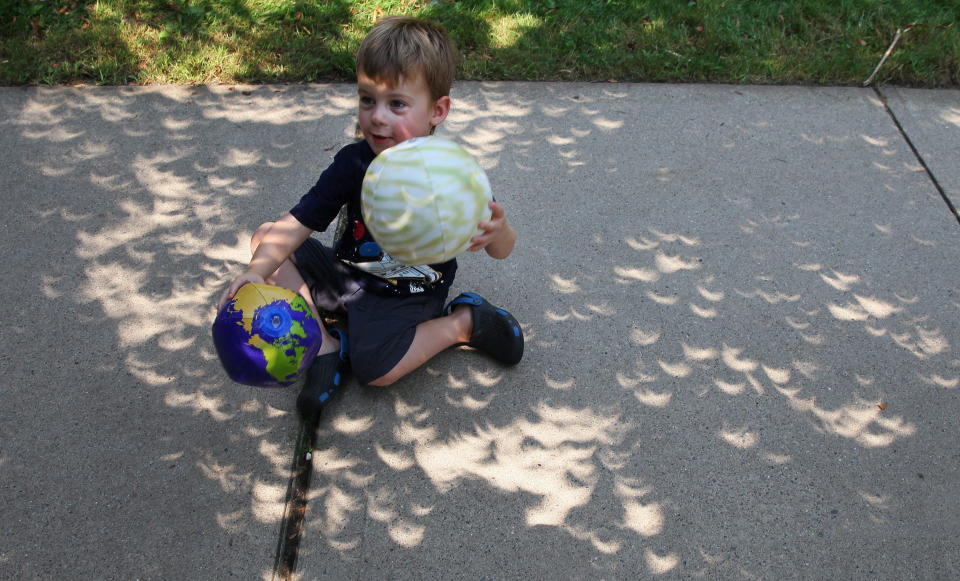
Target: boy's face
(393,114)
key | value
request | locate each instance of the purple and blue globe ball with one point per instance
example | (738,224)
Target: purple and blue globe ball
(266,336)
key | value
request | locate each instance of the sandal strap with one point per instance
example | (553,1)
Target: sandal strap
(466,298)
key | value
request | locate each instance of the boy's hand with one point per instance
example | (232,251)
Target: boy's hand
(497,237)
(276,245)
(235,286)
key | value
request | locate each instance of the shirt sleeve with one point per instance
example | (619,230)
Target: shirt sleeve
(321,204)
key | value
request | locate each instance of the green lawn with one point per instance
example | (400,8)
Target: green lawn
(837,42)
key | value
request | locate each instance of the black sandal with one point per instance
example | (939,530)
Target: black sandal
(495,331)
(325,376)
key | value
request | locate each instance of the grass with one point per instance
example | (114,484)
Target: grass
(836,42)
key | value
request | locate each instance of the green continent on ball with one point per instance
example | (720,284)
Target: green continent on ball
(423,199)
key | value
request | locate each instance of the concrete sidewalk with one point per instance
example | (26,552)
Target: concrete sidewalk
(741,306)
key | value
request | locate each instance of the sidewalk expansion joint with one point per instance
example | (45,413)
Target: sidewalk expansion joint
(295,504)
(916,153)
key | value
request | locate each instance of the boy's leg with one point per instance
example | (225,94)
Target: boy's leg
(316,279)
(470,319)
(431,338)
(287,276)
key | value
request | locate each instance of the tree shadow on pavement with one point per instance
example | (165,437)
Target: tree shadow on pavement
(735,356)
(736,360)
(127,208)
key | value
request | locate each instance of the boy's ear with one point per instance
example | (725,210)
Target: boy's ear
(440,110)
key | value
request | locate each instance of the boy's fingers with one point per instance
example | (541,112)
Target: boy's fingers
(490,226)
(226,296)
(478,242)
(231,291)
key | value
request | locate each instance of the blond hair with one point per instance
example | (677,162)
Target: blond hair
(404,47)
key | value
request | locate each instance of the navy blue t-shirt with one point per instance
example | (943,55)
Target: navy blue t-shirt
(340,185)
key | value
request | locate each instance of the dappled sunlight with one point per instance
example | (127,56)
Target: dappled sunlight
(344,424)
(276,105)
(777,375)
(562,385)
(629,274)
(770,297)
(823,139)
(940,381)
(268,501)
(573,313)
(735,371)
(495,118)
(671,264)
(732,358)
(199,402)
(227,476)
(660,564)
(951,115)
(469,402)
(675,237)
(712,296)
(662,299)
(730,388)
(646,519)
(403,530)
(643,337)
(678,369)
(838,280)
(555,457)
(636,382)
(882,318)
(742,343)
(739,437)
(120,291)
(860,420)
(564,285)
(727,332)
(484,123)
(336,497)
(550,457)
(166,213)
(699,353)
(397,460)
(131,251)
(229,253)
(703,312)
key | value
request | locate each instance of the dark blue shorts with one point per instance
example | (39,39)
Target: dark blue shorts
(380,328)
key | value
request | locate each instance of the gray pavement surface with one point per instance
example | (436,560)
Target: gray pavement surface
(931,119)
(741,308)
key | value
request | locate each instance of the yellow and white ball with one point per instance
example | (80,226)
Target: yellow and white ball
(422,200)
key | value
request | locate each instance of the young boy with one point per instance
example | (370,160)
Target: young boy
(405,68)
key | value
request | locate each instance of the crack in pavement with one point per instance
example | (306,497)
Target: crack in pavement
(916,153)
(295,504)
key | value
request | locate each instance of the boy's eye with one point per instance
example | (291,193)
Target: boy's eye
(366,100)
(397,104)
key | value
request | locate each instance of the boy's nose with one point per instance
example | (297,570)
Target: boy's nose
(379,115)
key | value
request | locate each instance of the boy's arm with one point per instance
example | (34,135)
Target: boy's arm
(498,237)
(283,237)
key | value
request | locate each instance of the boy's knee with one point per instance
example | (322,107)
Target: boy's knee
(384,381)
(363,362)
(259,234)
